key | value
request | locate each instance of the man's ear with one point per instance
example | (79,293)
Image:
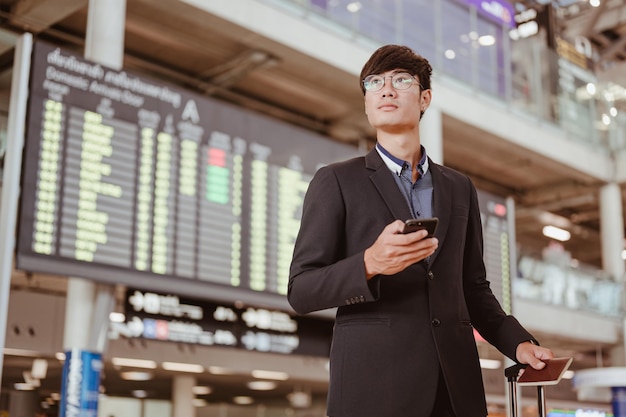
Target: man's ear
(425,99)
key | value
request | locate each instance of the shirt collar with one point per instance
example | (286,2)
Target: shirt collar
(396,165)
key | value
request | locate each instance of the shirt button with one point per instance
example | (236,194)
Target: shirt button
(436,322)
(431,276)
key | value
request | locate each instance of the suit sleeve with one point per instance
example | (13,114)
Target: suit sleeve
(500,329)
(322,275)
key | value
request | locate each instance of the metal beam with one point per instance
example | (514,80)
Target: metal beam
(616,47)
(588,29)
(38,15)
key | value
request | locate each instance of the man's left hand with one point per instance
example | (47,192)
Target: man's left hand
(533,355)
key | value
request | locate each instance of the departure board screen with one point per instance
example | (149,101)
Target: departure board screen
(498,233)
(130,180)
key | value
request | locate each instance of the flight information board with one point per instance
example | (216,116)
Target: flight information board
(130,180)
(499,250)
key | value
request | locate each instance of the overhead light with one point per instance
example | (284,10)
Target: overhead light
(136,376)
(450,54)
(243,400)
(199,402)
(557,233)
(591,88)
(60,356)
(486,40)
(117,317)
(201,390)
(39,368)
(299,399)
(261,374)
(354,6)
(134,363)
(21,352)
(140,393)
(261,385)
(490,363)
(219,370)
(30,380)
(183,367)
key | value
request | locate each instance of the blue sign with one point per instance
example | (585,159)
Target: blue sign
(500,11)
(81,384)
(619,401)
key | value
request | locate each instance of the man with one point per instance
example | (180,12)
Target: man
(403,344)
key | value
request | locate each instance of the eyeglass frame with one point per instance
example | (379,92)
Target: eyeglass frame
(392,82)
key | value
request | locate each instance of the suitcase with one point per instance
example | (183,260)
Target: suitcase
(511,373)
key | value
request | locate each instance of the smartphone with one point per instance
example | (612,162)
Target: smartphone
(413,225)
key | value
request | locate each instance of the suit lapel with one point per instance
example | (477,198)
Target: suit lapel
(386,186)
(442,204)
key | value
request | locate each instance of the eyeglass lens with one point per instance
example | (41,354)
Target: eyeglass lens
(399,81)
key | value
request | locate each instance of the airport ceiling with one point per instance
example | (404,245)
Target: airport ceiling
(604,25)
(170,40)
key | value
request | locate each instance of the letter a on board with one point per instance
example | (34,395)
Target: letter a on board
(190,112)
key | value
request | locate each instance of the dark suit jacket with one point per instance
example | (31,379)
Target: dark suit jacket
(393,333)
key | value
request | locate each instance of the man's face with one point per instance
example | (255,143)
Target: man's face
(396,110)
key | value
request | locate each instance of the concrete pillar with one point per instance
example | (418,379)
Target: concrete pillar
(612,234)
(182,396)
(612,230)
(11,177)
(431,133)
(78,311)
(89,304)
(104,42)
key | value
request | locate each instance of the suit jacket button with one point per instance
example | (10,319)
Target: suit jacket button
(431,276)
(436,322)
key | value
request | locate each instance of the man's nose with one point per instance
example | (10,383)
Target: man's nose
(388,90)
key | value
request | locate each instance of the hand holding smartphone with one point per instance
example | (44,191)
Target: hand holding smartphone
(413,225)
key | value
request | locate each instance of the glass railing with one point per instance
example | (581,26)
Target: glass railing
(464,46)
(524,74)
(579,288)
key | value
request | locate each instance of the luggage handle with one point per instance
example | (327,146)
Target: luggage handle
(511,373)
